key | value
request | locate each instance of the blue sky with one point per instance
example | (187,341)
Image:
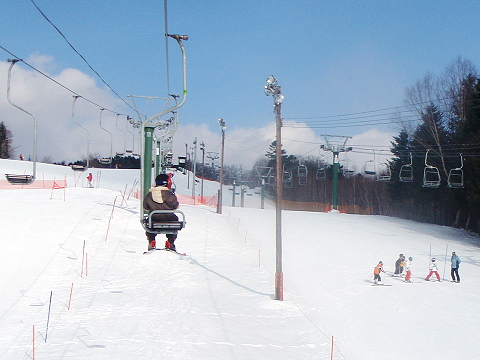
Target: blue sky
(331,58)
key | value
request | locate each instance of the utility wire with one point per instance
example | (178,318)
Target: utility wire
(85,60)
(56,82)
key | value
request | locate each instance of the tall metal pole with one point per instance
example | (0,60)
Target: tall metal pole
(220,192)
(147,158)
(278,206)
(335,181)
(194,168)
(148,126)
(271,88)
(202,147)
(187,166)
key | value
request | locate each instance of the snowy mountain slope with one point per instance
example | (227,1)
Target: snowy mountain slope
(216,303)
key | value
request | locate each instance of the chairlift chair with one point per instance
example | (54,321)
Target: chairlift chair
(79,167)
(406,172)
(22,179)
(348,167)
(286,176)
(369,168)
(431,175)
(302,172)
(105,161)
(321,173)
(455,176)
(287,179)
(384,173)
(163,227)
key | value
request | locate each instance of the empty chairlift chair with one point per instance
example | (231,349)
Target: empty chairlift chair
(22,179)
(384,173)
(431,175)
(406,172)
(369,168)
(287,179)
(348,167)
(321,173)
(302,175)
(455,176)
(79,167)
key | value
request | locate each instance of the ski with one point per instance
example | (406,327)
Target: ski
(164,249)
(381,284)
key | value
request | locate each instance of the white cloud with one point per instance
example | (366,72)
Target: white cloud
(58,137)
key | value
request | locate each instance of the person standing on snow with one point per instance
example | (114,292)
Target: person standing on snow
(398,264)
(161,198)
(170,183)
(408,268)
(89,179)
(455,265)
(433,270)
(376,272)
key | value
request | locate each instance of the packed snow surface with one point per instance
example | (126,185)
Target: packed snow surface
(75,283)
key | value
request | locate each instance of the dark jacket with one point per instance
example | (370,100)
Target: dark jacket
(160,198)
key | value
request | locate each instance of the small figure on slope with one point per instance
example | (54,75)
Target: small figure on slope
(89,179)
(433,270)
(376,272)
(170,184)
(161,198)
(408,268)
(399,265)
(455,265)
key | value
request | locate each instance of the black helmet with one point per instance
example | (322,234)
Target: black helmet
(161,180)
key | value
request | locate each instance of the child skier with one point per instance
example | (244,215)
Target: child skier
(399,265)
(376,272)
(433,270)
(408,268)
(89,179)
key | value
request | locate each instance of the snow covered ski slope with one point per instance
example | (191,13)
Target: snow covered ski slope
(109,301)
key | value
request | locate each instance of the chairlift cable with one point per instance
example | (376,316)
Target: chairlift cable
(165,10)
(81,56)
(56,82)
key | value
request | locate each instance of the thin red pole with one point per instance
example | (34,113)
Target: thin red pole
(111,215)
(331,353)
(33,343)
(70,299)
(83,257)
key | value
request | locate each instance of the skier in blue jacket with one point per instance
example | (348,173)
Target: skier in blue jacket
(455,265)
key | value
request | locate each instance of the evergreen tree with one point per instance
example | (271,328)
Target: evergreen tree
(5,142)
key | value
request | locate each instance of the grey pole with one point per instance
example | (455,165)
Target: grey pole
(220,192)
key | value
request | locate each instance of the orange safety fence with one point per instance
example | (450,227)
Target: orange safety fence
(190,200)
(37,184)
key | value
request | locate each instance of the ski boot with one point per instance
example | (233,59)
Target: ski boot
(151,244)
(170,246)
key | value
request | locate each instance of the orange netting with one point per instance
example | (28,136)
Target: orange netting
(190,200)
(37,184)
